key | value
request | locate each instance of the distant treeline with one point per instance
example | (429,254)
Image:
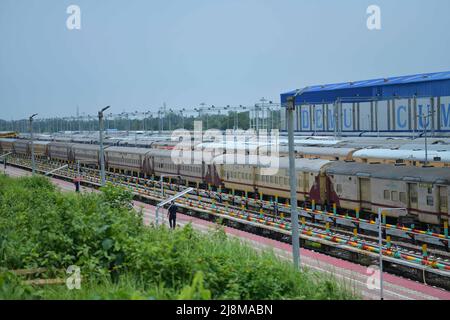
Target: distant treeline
(171,121)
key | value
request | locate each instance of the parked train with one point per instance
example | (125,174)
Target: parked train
(425,192)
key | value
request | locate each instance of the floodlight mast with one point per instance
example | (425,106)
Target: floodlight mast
(293,179)
(102,151)
(33,162)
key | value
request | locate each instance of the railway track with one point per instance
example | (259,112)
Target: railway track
(238,212)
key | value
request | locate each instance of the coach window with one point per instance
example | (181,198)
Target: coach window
(444,201)
(394,196)
(386,195)
(339,188)
(403,197)
(430,201)
(430,190)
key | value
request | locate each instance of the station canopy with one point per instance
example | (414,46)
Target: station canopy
(419,85)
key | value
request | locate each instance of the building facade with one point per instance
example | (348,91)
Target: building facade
(407,104)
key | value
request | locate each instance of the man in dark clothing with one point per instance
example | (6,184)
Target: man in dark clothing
(172,213)
(77,184)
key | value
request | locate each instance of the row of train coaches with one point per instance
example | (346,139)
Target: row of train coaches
(330,178)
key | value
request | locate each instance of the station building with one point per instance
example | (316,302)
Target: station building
(404,105)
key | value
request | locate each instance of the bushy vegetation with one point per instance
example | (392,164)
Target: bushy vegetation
(120,258)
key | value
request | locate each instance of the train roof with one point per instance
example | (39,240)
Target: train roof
(322,151)
(21,141)
(8,139)
(60,144)
(231,145)
(160,152)
(386,171)
(130,150)
(395,154)
(42,143)
(84,146)
(308,165)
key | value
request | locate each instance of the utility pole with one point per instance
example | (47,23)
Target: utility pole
(263,113)
(380,243)
(33,163)
(102,157)
(425,126)
(293,179)
(78,118)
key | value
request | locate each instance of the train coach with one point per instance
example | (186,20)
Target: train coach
(249,178)
(189,166)
(310,175)
(424,192)
(86,154)
(7,145)
(132,161)
(23,147)
(60,151)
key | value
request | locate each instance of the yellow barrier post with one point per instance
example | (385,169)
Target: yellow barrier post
(303,222)
(357,213)
(334,209)
(424,251)
(327,226)
(313,205)
(388,240)
(446,228)
(355,233)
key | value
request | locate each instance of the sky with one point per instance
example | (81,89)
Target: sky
(134,55)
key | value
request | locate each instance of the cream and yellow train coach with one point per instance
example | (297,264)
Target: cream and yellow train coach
(250,178)
(424,192)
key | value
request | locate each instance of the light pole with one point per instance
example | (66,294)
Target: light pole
(182,117)
(293,179)
(380,243)
(102,157)
(33,163)
(425,126)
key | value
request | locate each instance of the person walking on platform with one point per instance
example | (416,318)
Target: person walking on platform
(77,182)
(172,214)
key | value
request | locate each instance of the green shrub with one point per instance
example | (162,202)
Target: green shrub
(120,258)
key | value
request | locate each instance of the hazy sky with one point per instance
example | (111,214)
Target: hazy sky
(137,54)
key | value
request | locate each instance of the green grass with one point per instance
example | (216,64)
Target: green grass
(120,258)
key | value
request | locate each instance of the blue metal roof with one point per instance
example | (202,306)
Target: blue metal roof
(420,85)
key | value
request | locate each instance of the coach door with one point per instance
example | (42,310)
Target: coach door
(365,193)
(413,196)
(443,200)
